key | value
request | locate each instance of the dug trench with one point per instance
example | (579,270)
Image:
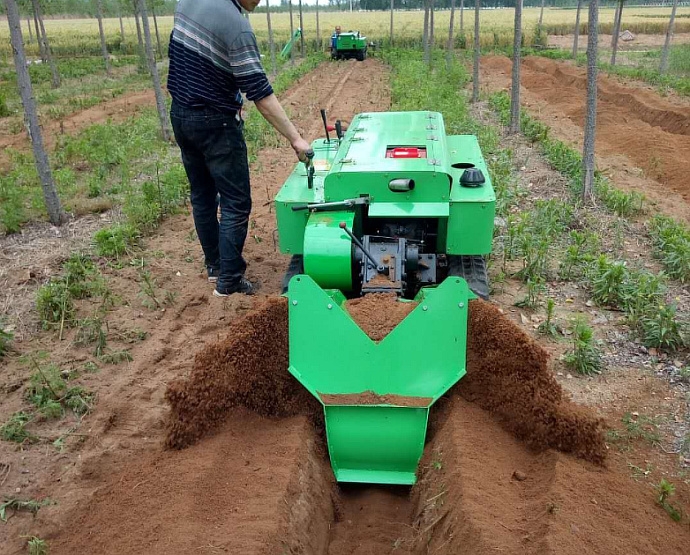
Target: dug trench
(510,464)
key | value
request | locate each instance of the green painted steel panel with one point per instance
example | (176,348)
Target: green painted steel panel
(328,250)
(471,222)
(375,444)
(350,41)
(408,210)
(422,357)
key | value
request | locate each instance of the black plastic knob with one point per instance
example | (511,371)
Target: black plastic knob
(472,177)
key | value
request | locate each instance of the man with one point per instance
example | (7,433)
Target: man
(334,38)
(214,58)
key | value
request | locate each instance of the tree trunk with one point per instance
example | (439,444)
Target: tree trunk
(616,15)
(515,87)
(50,195)
(39,39)
(55,74)
(425,36)
(158,37)
(318,28)
(541,13)
(475,70)
(153,68)
(31,33)
(142,53)
(669,35)
(591,111)
(292,32)
(392,10)
(617,32)
(449,50)
(271,42)
(301,27)
(101,32)
(122,29)
(431,25)
(577,28)
(462,18)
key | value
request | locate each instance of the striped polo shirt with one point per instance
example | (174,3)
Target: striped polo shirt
(214,57)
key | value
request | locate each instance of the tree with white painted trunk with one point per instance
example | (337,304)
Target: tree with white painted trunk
(475,69)
(26,93)
(101,32)
(153,69)
(577,28)
(663,66)
(515,86)
(588,164)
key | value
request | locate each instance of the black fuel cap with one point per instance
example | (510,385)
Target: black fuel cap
(472,177)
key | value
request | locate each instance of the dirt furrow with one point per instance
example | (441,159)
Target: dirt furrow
(636,127)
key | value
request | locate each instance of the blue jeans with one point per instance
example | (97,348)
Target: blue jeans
(214,155)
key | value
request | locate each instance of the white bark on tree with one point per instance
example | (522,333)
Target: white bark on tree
(663,66)
(591,108)
(55,74)
(101,32)
(577,28)
(449,49)
(50,195)
(153,69)
(515,86)
(271,42)
(475,69)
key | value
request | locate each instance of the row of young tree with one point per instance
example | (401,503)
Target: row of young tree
(86,8)
(140,9)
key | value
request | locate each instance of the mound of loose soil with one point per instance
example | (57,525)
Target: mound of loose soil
(508,375)
(371,398)
(378,313)
(249,368)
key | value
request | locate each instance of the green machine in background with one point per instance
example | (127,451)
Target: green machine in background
(394,205)
(349,45)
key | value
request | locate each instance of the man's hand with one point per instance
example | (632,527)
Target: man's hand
(300,146)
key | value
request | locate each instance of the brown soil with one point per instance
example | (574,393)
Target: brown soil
(371,398)
(508,375)
(248,368)
(636,127)
(378,313)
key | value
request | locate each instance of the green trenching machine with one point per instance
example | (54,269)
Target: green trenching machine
(393,205)
(349,45)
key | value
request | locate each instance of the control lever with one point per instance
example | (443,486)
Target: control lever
(380,268)
(325,125)
(336,205)
(339,130)
(310,167)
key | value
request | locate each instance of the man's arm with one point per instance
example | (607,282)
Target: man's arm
(274,114)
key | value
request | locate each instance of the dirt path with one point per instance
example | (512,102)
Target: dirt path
(127,422)
(640,41)
(643,140)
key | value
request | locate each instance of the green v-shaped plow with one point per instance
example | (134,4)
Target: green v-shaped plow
(374,440)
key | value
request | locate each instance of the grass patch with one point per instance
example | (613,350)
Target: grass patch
(116,240)
(585,355)
(14,429)
(14,504)
(671,241)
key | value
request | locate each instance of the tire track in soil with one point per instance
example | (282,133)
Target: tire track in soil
(125,429)
(636,127)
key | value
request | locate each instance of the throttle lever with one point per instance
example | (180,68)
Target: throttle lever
(310,167)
